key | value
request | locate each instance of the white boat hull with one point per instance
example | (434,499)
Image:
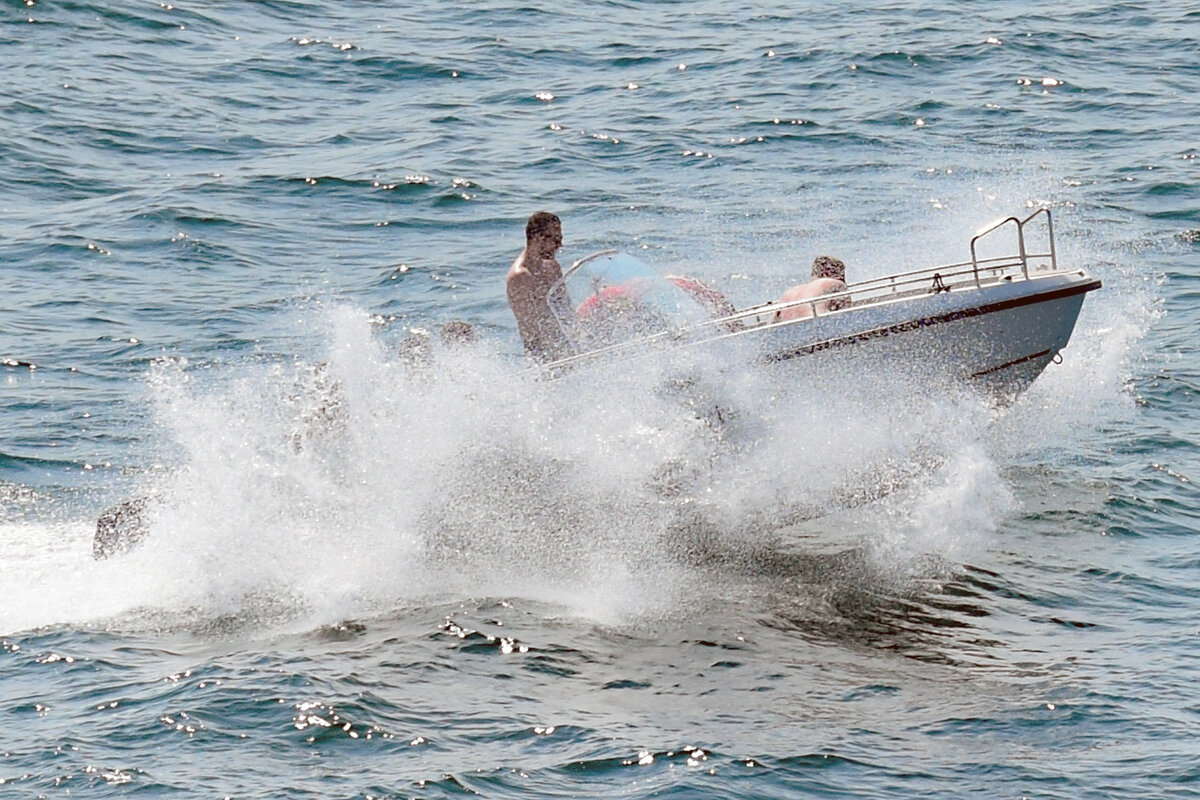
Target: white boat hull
(1005,334)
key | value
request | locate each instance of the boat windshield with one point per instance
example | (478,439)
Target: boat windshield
(612,297)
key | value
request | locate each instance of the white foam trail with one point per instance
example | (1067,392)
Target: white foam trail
(51,578)
(463,477)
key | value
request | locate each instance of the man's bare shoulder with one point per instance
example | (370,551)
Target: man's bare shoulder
(814,288)
(519,271)
(521,284)
(827,285)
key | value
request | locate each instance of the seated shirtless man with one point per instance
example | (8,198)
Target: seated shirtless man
(828,277)
(529,280)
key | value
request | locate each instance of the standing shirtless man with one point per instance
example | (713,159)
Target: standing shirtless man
(529,280)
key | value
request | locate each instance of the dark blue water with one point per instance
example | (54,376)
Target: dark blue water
(476,584)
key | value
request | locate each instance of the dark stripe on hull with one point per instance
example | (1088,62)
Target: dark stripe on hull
(925,322)
(1010,364)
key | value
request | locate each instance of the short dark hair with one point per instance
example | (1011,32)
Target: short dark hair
(828,267)
(540,221)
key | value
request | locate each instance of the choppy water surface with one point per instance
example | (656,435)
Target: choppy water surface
(458,580)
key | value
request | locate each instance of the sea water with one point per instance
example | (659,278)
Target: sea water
(374,571)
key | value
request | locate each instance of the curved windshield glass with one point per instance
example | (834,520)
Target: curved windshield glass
(612,297)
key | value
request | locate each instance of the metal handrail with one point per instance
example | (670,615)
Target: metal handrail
(1024,256)
(875,289)
(879,289)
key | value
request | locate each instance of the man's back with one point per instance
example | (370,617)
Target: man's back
(528,284)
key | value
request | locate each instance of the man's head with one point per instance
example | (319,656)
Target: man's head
(828,267)
(544,229)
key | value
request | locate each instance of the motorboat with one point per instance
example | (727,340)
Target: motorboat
(1000,319)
